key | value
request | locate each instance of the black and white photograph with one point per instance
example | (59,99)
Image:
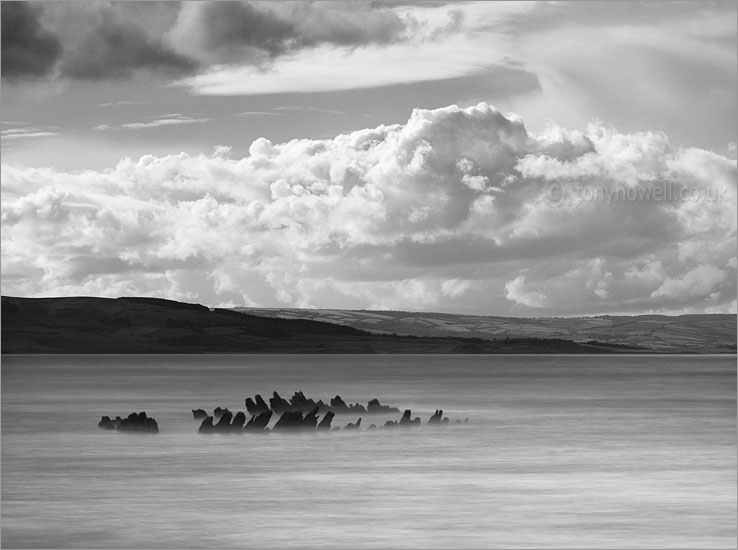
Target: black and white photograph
(368,274)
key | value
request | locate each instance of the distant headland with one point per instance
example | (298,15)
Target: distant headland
(154,325)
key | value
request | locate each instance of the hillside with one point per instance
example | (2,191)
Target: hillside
(658,333)
(150,325)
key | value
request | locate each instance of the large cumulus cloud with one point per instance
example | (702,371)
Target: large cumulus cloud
(458,209)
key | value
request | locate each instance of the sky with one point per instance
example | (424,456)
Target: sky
(495,158)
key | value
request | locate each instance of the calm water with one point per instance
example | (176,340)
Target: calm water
(559,452)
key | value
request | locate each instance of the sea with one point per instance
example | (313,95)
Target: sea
(559,451)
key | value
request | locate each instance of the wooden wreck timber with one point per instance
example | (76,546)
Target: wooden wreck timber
(298,402)
(297,421)
(299,414)
(135,422)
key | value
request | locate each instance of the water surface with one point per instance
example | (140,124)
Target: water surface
(559,452)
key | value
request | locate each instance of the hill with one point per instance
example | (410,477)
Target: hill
(151,325)
(658,333)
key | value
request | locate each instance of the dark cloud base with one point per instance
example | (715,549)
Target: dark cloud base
(116,39)
(28,49)
(116,50)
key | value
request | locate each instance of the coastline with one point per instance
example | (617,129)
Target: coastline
(89,325)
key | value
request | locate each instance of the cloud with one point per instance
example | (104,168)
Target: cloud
(698,282)
(168,121)
(255,34)
(450,210)
(310,109)
(327,69)
(733,149)
(283,110)
(27,131)
(259,113)
(638,64)
(165,40)
(28,48)
(387,46)
(118,104)
(326,46)
(607,13)
(114,48)
(154,122)
(349,25)
(228,32)
(89,40)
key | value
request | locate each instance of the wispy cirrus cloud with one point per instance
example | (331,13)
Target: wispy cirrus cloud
(155,122)
(259,113)
(26,131)
(118,104)
(286,109)
(310,109)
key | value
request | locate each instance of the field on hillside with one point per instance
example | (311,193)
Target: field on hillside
(684,333)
